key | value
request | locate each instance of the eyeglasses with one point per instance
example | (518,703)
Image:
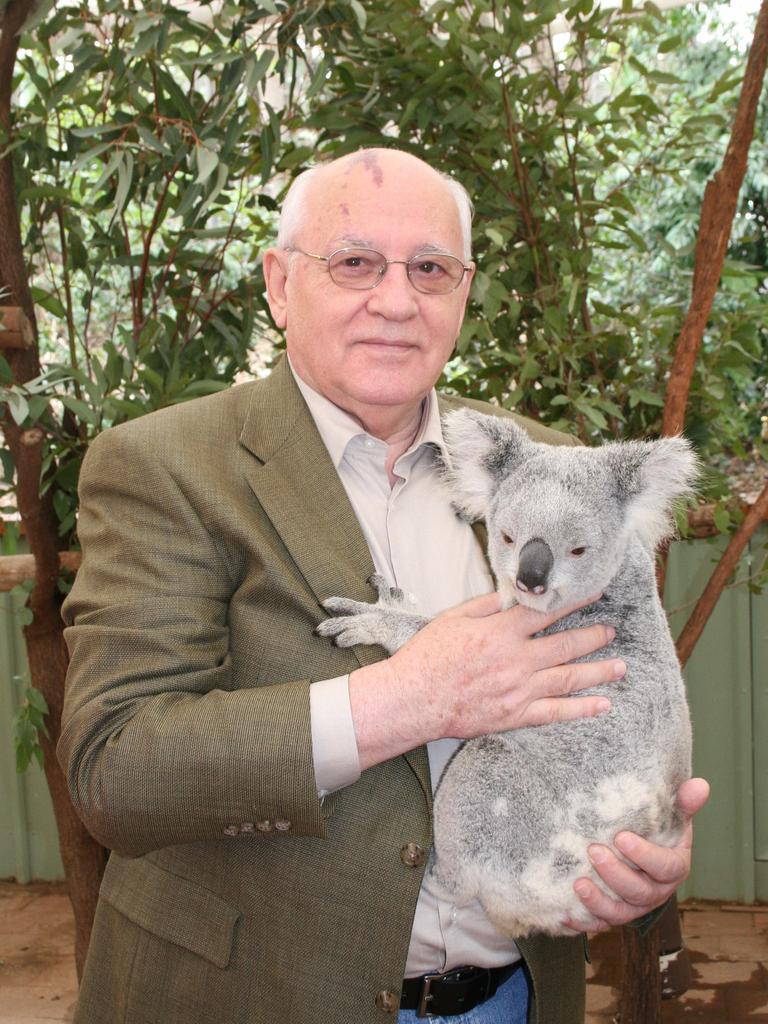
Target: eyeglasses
(432,273)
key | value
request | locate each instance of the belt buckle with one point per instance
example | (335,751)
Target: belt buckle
(426,995)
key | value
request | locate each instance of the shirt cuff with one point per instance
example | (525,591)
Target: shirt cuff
(334,744)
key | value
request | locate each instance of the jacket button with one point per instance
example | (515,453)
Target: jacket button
(265,826)
(387,1001)
(247,827)
(412,855)
(231,830)
(282,825)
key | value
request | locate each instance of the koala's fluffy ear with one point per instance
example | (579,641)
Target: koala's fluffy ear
(650,476)
(479,451)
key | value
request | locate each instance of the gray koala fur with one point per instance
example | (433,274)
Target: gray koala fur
(515,811)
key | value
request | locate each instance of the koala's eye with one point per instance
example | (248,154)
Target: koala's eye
(507,539)
(578,551)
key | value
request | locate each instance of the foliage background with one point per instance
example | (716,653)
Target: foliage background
(147,146)
(153,141)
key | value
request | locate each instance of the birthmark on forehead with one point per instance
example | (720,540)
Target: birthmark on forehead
(371,163)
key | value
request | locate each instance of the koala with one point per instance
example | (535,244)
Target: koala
(515,811)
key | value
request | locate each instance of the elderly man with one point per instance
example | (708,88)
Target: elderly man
(266,795)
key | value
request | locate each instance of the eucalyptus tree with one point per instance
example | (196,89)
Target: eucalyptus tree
(137,143)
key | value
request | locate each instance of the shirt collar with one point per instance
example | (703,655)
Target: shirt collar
(337,428)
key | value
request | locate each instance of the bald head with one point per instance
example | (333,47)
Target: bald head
(311,192)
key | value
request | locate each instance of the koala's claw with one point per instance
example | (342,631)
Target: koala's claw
(388,596)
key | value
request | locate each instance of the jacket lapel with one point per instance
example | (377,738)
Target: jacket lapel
(298,487)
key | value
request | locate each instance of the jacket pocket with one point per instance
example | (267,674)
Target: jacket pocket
(171,907)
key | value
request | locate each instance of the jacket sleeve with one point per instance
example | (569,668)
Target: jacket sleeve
(157,746)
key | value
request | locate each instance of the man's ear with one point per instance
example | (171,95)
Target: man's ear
(466,287)
(480,450)
(275,264)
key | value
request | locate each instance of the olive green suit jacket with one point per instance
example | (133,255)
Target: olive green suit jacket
(211,533)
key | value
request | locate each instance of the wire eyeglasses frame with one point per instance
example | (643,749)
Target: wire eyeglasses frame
(372,275)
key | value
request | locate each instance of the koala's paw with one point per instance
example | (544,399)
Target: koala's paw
(389,597)
(385,623)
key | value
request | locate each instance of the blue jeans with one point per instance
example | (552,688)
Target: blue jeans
(508,1006)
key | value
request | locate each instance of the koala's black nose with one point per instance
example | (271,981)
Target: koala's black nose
(534,567)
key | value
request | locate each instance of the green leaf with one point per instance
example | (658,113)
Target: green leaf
(44,192)
(722,518)
(96,129)
(591,413)
(37,700)
(80,409)
(207,161)
(641,395)
(17,405)
(37,14)
(150,141)
(202,387)
(359,12)
(112,164)
(670,43)
(24,616)
(49,302)
(620,199)
(124,181)
(257,69)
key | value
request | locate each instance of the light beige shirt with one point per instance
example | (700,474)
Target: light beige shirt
(417,543)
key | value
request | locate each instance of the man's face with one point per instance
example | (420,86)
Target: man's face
(375,353)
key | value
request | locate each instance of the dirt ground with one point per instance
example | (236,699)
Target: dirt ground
(728,947)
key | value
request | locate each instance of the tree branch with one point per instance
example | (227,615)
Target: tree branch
(717,213)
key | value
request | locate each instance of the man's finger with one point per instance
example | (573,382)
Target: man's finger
(564,709)
(692,795)
(663,864)
(560,648)
(638,888)
(565,679)
(604,907)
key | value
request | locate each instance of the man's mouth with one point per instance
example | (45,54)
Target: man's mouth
(386,344)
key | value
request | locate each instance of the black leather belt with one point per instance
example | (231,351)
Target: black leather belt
(454,992)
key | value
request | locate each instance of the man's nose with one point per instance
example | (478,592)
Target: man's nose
(394,297)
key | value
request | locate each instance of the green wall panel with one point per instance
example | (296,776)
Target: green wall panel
(760,718)
(29,847)
(718,682)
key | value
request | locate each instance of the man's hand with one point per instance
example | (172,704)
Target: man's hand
(657,870)
(478,669)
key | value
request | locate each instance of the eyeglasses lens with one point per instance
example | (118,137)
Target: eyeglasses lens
(364,268)
(435,273)
(356,268)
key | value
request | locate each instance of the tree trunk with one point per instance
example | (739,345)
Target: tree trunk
(82,857)
(641,990)
(717,213)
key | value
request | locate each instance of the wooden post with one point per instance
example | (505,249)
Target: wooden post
(15,569)
(16,329)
